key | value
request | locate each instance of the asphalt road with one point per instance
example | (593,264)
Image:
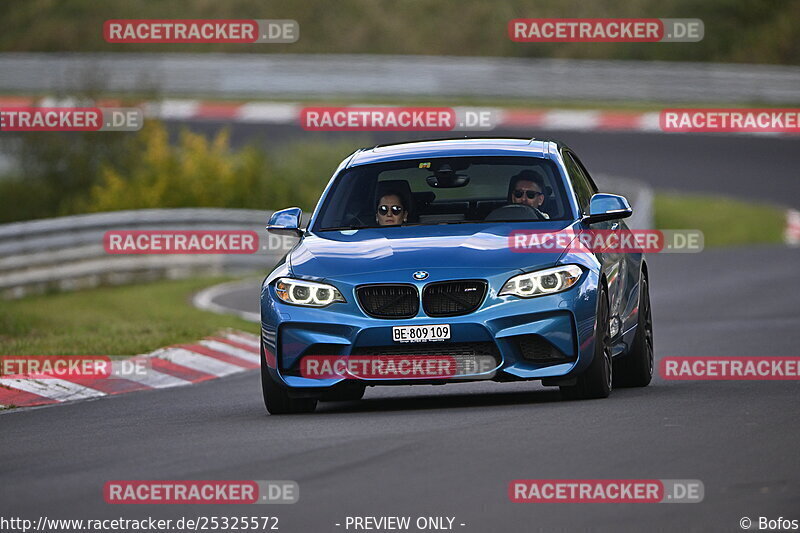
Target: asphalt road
(452,450)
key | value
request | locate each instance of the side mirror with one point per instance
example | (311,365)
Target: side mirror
(286,222)
(604,207)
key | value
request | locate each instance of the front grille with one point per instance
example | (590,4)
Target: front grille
(452,298)
(464,353)
(389,301)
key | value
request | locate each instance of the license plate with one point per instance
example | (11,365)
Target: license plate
(436,332)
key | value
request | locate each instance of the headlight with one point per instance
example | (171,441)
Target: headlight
(307,293)
(542,282)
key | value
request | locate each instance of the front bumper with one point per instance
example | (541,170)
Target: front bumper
(544,337)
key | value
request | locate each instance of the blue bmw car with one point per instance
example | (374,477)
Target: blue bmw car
(409,254)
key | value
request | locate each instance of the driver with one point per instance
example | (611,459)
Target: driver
(391,210)
(527,188)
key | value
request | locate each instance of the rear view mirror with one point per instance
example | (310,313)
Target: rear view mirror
(445,178)
(447,182)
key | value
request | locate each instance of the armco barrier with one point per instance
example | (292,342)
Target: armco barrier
(310,75)
(67,253)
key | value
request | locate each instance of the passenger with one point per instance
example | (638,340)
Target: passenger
(527,188)
(391,211)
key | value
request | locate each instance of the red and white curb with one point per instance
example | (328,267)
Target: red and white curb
(791,234)
(289,113)
(211,358)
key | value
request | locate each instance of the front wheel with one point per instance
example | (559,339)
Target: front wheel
(277,400)
(635,369)
(596,381)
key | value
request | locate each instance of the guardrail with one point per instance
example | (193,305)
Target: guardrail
(310,75)
(67,253)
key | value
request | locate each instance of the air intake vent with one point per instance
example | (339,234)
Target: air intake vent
(536,349)
(464,353)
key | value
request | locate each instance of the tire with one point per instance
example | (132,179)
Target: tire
(349,394)
(277,400)
(635,369)
(596,381)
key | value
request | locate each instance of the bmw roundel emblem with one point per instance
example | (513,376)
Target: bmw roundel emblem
(419,275)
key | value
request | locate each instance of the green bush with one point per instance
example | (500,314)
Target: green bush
(24,200)
(195,172)
(200,172)
(54,171)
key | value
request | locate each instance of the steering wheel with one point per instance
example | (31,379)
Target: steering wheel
(356,220)
(515,212)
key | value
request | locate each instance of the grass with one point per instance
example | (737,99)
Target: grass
(126,320)
(723,221)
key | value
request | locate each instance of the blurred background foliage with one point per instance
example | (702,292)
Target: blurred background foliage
(756,31)
(55,174)
(70,173)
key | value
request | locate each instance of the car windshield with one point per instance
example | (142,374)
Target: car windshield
(445,191)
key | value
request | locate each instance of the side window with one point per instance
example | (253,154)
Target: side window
(584,189)
(585,172)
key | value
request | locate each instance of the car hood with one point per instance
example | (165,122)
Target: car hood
(462,249)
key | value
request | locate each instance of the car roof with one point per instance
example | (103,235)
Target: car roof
(456,147)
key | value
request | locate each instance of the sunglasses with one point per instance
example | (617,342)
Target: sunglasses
(384,210)
(530,194)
